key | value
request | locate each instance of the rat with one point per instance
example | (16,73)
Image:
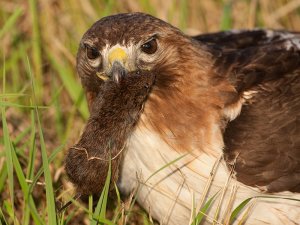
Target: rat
(114,114)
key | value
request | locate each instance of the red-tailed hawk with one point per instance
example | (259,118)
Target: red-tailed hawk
(220,111)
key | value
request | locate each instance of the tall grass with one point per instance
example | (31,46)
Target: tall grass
(43,107)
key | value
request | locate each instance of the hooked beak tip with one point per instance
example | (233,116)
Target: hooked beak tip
(117,71)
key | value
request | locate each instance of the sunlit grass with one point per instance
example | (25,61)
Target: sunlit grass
(43,107)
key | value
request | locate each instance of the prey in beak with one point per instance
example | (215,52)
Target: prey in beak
(113,118)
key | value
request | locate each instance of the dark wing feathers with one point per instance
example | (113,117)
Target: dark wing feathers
(265,137)
(248,58)
(249,67)
(241,39)
(264,140)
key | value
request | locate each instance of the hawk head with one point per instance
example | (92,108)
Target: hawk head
(122,43)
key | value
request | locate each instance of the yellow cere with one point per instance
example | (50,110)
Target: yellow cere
(117,54)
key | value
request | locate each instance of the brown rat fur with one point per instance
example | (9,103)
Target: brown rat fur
(114,114)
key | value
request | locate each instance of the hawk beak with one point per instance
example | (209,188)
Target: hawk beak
(117,58)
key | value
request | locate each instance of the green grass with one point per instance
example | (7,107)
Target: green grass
(51,212)
(43,107)
(99,215)
(226,21)
(23,91)
(9,161)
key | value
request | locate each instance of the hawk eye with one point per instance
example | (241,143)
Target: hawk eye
(149,47)
(92,53)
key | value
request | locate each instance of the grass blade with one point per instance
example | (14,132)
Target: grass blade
(24,186)
(72,86)
(153,174)
(32,150)
(9,104)
(7,147)
(41,170)
(183,16)
(146,219)
(91,207)
(2,218)
(117,209)
(165,166)
(36,49)
(226,21)
(100,211)
(278,197)
(10,23)
(200,215)
(242,205)
(52,220)
(9,161)
(21,136)
(69,217)
(10,212)
(3,177)
(49,189)
(12,95)
(238,209)
(30,173)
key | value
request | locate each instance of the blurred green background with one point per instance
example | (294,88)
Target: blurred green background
(39,40)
